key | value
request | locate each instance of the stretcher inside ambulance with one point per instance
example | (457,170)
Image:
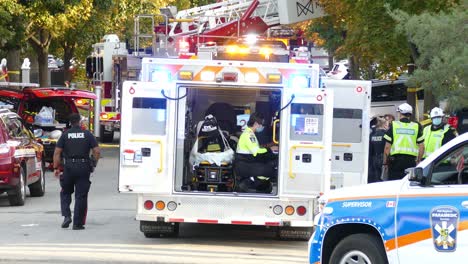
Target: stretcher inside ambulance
(213,169)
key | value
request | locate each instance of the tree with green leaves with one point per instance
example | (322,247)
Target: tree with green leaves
(440,42)
(11,36)
(49,19)
(368,32)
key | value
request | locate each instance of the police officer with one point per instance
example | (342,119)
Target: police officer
(376,149)
(404,146)
(74,147)
(438,133)
(254,165)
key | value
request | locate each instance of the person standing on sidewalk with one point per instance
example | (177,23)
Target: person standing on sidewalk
(73,148)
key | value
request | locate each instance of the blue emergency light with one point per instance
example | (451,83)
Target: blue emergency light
(299,81)
(160,76)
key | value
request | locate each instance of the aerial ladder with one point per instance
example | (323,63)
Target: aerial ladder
(186,30)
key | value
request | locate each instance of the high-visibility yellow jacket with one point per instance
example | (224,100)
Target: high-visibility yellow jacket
(248,143)
(405,136)
(433,139)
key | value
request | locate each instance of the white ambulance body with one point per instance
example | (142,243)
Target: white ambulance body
(160,112)
(422,218)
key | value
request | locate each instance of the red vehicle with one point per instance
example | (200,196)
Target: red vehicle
(21,160)
(28,102)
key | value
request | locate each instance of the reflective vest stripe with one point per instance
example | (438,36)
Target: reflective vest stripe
(404,138)
(433,139)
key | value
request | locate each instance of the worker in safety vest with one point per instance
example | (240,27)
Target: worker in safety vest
(404,146)
(438,133)
(254,165)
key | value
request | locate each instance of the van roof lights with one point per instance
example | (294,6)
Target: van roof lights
(252,77)
(232,49)
(299,81)
(185,75)
(230,76)
(207,76)
(274,78)
(160,76)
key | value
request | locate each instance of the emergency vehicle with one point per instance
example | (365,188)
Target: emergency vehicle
(422,218)
(320,147)
(190,33)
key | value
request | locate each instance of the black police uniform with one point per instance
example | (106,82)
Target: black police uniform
(376,150)
(76,144)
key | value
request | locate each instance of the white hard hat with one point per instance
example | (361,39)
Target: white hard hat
(437,112)
(405,109)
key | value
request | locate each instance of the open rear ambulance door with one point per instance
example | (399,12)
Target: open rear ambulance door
(305,153)
(146,141)
(351,126)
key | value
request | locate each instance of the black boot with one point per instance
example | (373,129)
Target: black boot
(66,222)
(78,227)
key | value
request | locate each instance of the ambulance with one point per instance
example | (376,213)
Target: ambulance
(320,146)
(422,218)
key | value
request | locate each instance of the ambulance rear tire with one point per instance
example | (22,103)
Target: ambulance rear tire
(106,136)
(359,248)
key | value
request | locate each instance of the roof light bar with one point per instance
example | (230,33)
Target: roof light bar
(207,76)
(274,78)
(230,76)
(252,77)
(185,75)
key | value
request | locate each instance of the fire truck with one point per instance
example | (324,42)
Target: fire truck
(196,32)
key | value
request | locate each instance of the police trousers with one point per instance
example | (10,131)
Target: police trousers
(375,168)
(398,164)
(75,178)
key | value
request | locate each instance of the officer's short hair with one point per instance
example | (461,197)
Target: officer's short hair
(74,118)
(255,117)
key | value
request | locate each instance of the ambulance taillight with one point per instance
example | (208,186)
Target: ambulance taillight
(301,210)
(148,205)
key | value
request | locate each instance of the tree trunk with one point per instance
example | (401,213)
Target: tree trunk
(411,94)
(353,68)
(68,53)
(41,47)
(330,60)
(429,101)
(14,65)
(43,61)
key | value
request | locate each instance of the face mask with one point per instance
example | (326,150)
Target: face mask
(436,121)
(260,129)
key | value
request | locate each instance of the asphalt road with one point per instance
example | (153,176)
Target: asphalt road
(32,234)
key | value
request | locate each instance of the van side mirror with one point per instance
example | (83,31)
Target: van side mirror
(415,174)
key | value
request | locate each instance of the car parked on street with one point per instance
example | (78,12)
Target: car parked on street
(28,103)
(21,160)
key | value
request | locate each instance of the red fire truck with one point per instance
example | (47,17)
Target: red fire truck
(226,27)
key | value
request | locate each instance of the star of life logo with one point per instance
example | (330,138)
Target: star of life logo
(444,223)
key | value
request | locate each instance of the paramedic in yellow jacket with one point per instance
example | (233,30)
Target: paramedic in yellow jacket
(254,163)
(438,133)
